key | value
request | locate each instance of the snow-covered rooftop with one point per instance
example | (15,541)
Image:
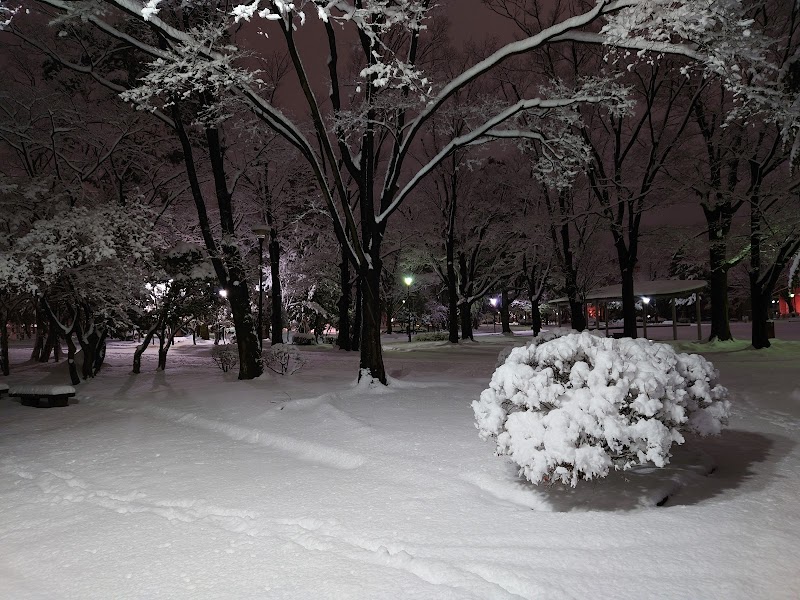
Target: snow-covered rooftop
(661,288)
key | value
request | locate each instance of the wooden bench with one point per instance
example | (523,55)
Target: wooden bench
(43,396)
(3,389)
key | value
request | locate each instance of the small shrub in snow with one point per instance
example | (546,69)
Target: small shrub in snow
(283,359)
(304,339)
(432,336)
(225,356)
(573,407)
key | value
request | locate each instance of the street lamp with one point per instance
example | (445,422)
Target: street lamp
(261,232)
(493,302)
(645,302)
(408,280)
(223,293)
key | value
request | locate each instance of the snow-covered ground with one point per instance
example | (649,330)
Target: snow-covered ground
(191,484)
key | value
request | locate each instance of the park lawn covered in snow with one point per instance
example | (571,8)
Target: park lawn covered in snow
(191,484)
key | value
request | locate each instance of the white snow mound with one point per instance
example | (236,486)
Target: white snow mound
(572,407)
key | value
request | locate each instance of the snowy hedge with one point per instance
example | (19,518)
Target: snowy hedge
(574,407)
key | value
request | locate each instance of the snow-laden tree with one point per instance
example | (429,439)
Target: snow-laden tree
(179,293)
(86,265)
(746,162)
(366,133)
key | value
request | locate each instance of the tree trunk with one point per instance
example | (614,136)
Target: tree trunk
(466,321)
(358,318)
(505,313)
(276,316)
(628,304)
(536,316)
(50,343)
(71,352)
(718,281)
(100,354)
(41,326)
(577,318)
(371,353)
(137,354)
(4,360)
(246,338)
(163,348)
(343,338)
(759,306)
(452,281)
(452,300)
(91,348)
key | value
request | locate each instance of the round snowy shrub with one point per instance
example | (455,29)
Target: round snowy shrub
(574,407)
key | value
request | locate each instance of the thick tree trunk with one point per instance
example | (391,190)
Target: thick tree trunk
(718,281)
(464,307)
(628,304)
(465,312)
(371,353)
(505,313)
(759,306)
(343,338)
(246,338)
(452,303)
(577,318)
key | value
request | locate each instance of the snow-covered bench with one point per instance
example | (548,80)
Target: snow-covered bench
(3,389)
(43,396)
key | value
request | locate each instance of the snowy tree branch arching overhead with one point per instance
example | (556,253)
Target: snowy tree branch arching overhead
(360,145)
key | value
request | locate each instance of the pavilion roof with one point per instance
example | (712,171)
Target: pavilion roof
(660,288)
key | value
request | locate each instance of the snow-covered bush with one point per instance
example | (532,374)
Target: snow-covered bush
(573,407)
(304,339)
(225,356)
(283,359)
(432,336)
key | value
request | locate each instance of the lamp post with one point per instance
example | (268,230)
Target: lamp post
(493,302)
(645,302)
(261,232)
(223,293)
(408,280)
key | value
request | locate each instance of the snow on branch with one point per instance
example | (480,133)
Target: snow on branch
(199,65)
(7,13)
(614,95)
(373,19)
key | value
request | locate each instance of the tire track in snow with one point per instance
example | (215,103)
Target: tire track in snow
(309,534)
(59,486)
(302,449)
